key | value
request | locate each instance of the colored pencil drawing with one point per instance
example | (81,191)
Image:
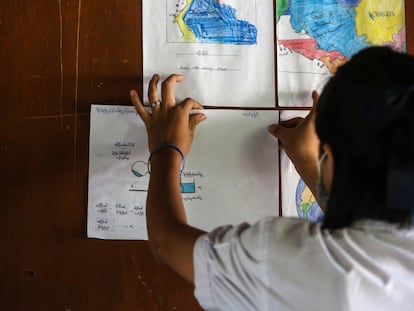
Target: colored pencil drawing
(208,21)
(306,205)
(315,37)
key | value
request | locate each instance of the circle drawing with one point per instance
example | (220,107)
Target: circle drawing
(139,168)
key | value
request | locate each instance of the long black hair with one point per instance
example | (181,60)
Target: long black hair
(352,117)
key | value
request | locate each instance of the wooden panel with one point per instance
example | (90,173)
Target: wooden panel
(110,49)
(56,58)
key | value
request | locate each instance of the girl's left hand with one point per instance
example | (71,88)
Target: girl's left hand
(168,122)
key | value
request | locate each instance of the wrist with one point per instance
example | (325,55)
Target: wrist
(166,156)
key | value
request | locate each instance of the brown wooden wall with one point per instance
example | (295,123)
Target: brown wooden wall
(56,58)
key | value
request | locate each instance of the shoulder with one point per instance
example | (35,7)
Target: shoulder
(258,236)
(269,230)
(231,263)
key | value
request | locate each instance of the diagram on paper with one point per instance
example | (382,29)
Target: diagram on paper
(120,214)
(211,21)
(119,173)
(315,37)
(118,209)
(190,188)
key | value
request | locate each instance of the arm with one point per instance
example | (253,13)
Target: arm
(171,239)
(298,138)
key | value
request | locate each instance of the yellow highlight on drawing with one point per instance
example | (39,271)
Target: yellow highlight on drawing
(379,20)
(188,34)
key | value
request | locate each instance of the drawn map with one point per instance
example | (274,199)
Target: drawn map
(217,46)
(306,205)
(208,21)
(314,37)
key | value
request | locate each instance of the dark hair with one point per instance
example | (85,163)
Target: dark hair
(361,150)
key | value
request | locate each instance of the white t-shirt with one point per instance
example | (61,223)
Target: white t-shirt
(291,264)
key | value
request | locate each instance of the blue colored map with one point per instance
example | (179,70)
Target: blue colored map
(306,205)
(331,23)
(208,21)
(343,26)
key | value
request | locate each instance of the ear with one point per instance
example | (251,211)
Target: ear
(326,148)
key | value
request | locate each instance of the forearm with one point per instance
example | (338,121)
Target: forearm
(164,201)
(169,235)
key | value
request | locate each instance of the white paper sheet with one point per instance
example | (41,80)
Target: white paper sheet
(229,63)
(230,175)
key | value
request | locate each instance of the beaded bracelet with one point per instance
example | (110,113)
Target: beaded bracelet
(162,147)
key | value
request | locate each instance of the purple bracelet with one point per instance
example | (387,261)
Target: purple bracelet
(160,147)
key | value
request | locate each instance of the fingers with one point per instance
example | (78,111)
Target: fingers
(315,99)
(167,91)
(276,130)
(279,129)
(196,119)
(189,104)
(294,122)
(283,134)
(152,88)
(153,93)
(142,112)
(312,114)
(284,128)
